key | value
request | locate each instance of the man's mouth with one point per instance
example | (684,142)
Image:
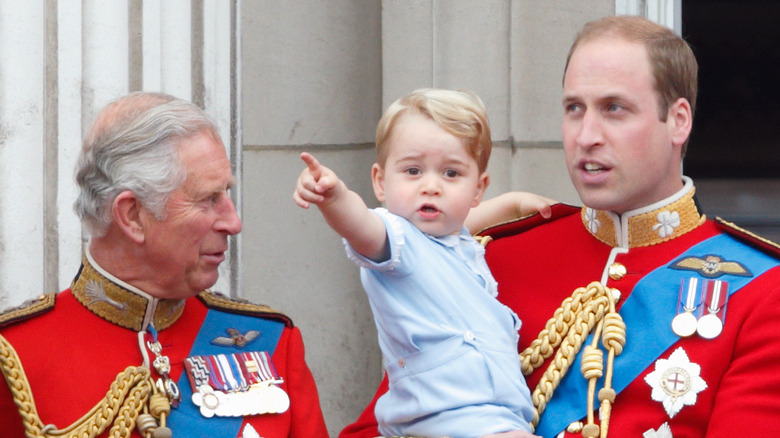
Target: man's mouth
(593,168)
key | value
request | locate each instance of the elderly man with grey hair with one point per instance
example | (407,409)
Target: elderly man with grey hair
(138,345)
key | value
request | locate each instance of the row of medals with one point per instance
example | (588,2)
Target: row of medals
(709,325)
(263,397)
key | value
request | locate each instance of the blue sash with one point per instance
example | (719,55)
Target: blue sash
(648,314)
(186,420)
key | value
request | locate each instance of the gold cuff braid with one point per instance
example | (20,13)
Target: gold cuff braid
(120,408)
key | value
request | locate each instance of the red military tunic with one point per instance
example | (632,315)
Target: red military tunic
(538,263)
(72,353)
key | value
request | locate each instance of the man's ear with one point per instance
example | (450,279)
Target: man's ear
(128,213)
(482,185)
(680,120)
(378,181)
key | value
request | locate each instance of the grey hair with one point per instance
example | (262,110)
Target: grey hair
(133,146)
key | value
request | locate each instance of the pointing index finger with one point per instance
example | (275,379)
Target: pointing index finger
(315,168)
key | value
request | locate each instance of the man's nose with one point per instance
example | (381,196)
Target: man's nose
(228,220)
(591,132)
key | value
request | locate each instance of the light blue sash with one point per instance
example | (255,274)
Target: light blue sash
(648,314)
(186,420)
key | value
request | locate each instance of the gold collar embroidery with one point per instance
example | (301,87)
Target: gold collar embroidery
(657,223)
(121,303)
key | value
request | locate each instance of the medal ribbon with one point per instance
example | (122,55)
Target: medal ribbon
(648,316)
(266,367)
(690,299)
(716,299)
(225,365)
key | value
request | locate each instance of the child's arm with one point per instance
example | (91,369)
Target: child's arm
(342,209)
(506,207)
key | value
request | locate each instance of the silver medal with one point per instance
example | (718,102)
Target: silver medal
(709,326)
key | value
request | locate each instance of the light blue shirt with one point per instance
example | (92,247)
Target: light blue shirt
(450,348)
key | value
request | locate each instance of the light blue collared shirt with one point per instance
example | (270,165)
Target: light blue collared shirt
(450,348)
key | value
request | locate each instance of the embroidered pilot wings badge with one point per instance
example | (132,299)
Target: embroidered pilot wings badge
(236,339)
(676,382)
(711,266)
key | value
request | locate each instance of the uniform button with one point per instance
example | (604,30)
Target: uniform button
(401,363)
(617,271)
(616,295)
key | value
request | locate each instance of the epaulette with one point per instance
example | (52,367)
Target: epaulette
(749,237)
(218,301)
(28,309)
(524,223)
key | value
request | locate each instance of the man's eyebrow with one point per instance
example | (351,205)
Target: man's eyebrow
(570,98)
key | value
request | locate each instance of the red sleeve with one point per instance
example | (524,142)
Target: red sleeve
(365,426)
(748,397)
(307,419)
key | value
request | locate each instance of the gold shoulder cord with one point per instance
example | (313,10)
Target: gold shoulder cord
(588,308)
(120,409)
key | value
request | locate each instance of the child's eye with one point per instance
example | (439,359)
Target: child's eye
(413,171)
(450,173)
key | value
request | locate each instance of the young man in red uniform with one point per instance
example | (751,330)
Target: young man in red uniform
(138,346)
(681,308)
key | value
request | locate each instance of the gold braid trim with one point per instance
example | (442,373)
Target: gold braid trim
(588,308)
(126,397)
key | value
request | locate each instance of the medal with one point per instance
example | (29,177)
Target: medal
(684,324)
(162,365)
(711,324)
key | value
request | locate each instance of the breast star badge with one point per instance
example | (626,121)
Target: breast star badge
(250,432)
(663,432)
(676,382)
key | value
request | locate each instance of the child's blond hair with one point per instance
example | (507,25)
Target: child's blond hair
(460,113)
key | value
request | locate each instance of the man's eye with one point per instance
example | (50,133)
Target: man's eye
(214,198)
(571,108)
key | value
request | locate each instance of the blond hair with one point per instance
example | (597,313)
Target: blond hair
(460,113)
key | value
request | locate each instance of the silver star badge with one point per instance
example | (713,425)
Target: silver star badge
(676,382)
(250,432)
(663,432)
